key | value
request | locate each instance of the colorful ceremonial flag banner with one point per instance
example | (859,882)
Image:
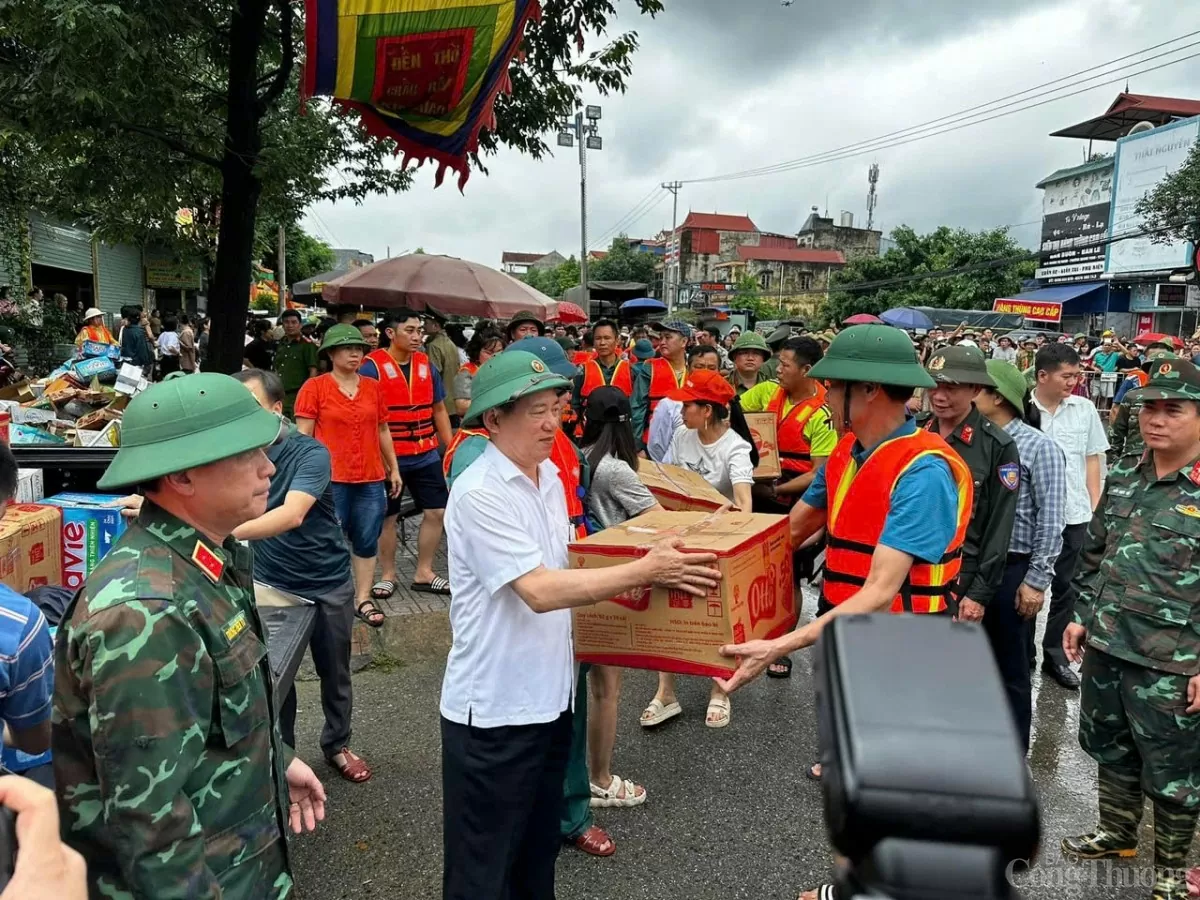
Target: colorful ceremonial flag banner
(424,73)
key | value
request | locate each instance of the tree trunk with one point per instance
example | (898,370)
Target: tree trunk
(229,291)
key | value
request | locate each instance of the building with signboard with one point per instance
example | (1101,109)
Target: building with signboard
(1092,255)
(796,277)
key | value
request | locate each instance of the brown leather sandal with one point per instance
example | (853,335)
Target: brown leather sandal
(354,769)
(596,842)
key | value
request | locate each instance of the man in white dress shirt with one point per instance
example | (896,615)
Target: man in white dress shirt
(507,696)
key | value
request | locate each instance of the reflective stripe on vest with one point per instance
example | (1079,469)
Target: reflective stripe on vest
(867,494)
(409,406)
(795,452)
(663,381)
(565,459)
(463,434)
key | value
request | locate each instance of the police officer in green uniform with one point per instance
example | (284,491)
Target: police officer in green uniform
(991,454)
(1124,437)
(1138,612)
(172,778)
(775,341)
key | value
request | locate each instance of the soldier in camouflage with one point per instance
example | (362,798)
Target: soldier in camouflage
(1138,613)
(1124,438)
(172,779)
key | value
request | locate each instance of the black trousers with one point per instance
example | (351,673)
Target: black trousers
(1008,634)
(330,646)
(1062,597)
(502,796)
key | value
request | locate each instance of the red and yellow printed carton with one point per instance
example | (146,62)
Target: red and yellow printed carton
(672,631)
(30,546)
(762,430)
(679,489)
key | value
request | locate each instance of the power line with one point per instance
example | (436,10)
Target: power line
(634,214)
(956,121)
(624,228)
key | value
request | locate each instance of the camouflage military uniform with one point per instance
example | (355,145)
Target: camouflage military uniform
(1138,601)
(169,764)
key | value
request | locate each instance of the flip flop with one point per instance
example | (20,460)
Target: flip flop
(784,663)
(658,712)
(439,586)
(370,613)
(384,589)
(595,842)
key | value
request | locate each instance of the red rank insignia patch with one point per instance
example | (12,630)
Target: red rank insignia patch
(1194,475)
(967,434)
(208,562)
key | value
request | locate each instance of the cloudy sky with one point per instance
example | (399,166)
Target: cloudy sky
(722,86)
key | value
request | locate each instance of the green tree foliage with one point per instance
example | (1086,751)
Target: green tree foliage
(925,254)
(623,263)
(554,282)
(127,111)
(306,255)
(1172,209)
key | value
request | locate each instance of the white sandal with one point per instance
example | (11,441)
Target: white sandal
(620,793)
(658,712)
(720,706)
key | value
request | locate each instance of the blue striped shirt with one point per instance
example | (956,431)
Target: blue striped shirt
(1041,503)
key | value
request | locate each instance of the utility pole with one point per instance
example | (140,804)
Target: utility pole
(281,275)
(671,274)
(585,130)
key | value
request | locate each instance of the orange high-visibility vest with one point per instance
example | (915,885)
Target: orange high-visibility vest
(462,435)
(858,504)
(663,382)
(564,457)
(582,357)
(795,452)
(593,377)
(410,406)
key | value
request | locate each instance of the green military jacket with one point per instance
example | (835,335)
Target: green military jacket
(294,360)
(1139,576)
(168,760)
(1125,434)
(991,454)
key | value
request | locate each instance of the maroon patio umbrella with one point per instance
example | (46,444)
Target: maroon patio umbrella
(453,287)
(863,319)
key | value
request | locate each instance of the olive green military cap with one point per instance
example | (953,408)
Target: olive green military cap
(780,335)
(960,365)
(1009,383)
(1170,379)
(875,353)
(751,340)
(187,421)
(343,336)
(506,377)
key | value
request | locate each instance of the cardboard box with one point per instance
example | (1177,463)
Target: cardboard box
(762,429)
(30,546)
(679,489)
(672,631)
(31,486)
(90,527)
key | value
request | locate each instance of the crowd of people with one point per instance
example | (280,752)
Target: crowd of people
(921,475)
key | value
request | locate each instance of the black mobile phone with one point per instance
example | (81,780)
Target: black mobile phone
(8,840)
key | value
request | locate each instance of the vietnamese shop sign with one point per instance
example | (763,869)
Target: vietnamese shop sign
(1035,310)
(1144,160)
(1074,225)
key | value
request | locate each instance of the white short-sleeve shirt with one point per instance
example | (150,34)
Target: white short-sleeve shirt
(1076,427)
(508,665)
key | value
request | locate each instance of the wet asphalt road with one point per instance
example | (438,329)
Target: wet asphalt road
(729,814)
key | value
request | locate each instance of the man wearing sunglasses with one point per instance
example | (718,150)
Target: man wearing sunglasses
(167,755)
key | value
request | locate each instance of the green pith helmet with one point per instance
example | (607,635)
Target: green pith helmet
(521,318)
(187,421)
(1170,379)
(751,340)
(505,377)
(1009,383)
(875,353)
(960,365)
(343,336)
